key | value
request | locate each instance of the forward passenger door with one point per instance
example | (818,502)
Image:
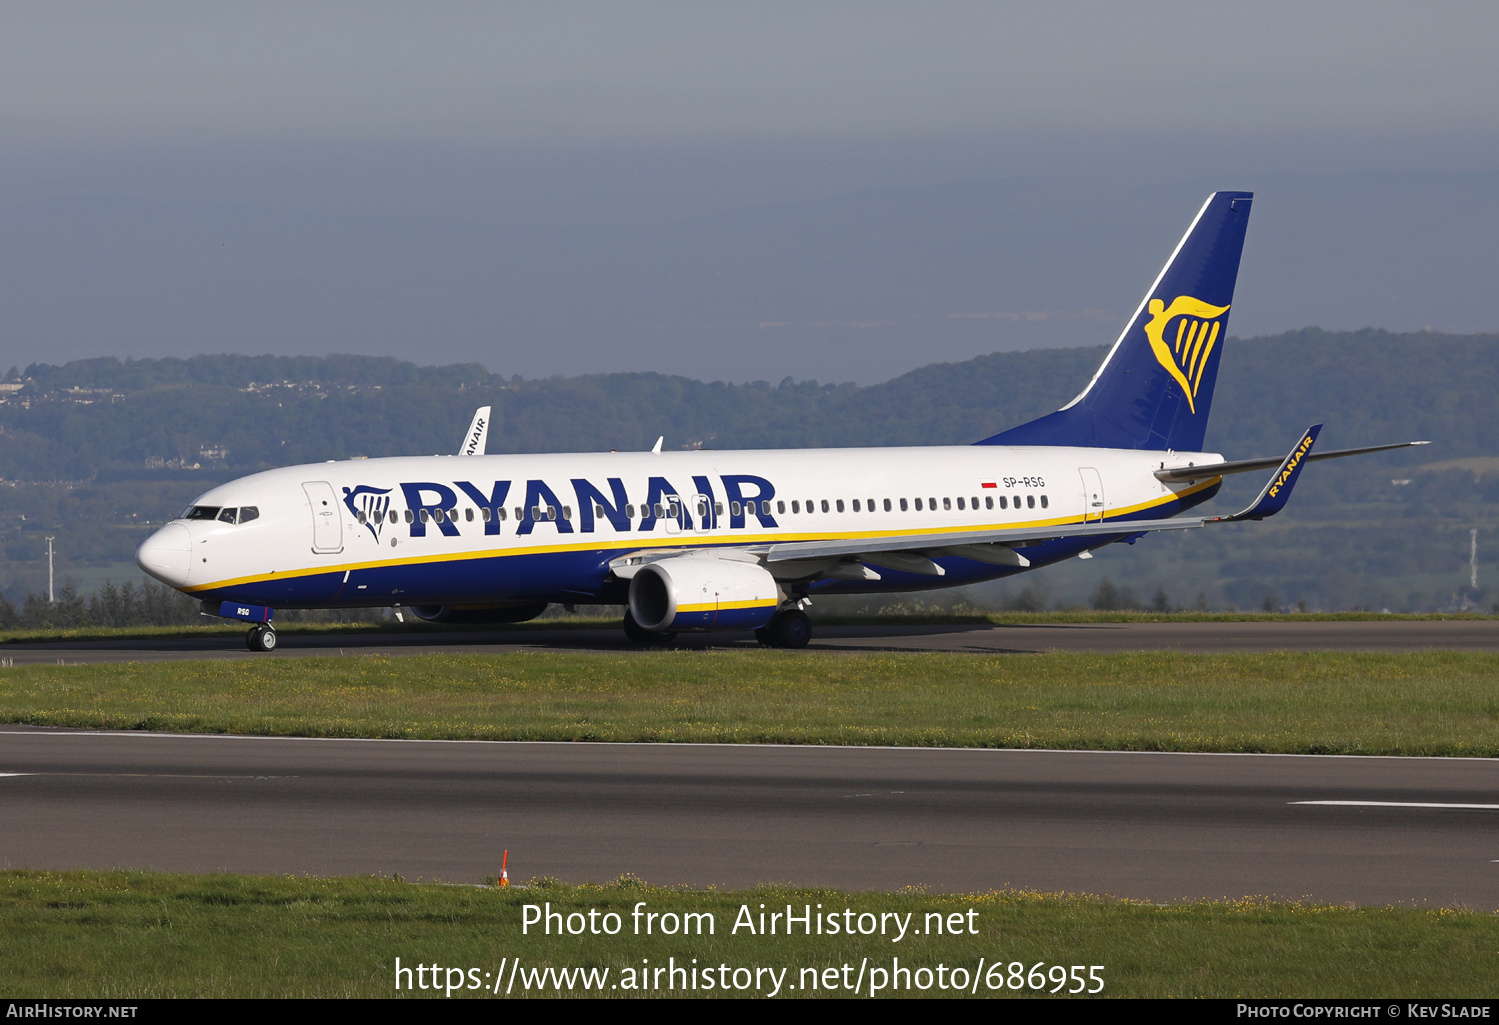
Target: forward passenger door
(327,522)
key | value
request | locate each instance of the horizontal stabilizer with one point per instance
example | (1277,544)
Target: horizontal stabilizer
(1185,473)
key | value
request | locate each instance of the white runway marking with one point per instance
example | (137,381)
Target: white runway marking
(1403,804)
(15,774)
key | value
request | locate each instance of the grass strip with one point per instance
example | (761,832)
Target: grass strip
(1425,703)
(128,935)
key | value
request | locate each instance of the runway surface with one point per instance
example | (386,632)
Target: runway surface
(1151,826)
(1403,635)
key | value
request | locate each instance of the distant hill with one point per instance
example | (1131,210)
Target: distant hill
(72,421)
(138,438)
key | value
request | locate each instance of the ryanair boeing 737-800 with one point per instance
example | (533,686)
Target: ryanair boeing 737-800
(705,540)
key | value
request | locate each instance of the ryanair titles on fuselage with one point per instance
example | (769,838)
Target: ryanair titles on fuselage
(536,502)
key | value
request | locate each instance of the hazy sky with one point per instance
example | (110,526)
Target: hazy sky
(486,74)
(596,131)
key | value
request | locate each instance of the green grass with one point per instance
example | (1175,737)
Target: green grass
(127,935)
(1428,703)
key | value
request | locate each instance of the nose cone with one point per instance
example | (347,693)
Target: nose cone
(167,554)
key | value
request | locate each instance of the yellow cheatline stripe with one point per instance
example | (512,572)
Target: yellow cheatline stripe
(724,606)
(624,546)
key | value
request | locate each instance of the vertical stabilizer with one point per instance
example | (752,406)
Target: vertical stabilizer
(478,434)
(1155,386)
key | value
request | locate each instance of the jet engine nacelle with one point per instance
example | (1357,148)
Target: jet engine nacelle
(702,592)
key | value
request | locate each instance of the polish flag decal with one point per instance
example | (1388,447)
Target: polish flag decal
(989,484)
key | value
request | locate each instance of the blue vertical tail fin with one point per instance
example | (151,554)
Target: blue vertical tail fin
(1155,386)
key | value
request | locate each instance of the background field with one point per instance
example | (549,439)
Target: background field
(1433,703)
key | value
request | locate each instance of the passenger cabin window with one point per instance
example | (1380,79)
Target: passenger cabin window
(947,504)
(903,505)
(735,509)
(856,505)
(409,516)
(960,502)
(1004,503)
(1030,501)
(781,506)
(918,505)
(887,505)
(988,501)
(1043,502)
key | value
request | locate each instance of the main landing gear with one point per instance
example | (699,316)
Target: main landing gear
(262,637)
(789,628)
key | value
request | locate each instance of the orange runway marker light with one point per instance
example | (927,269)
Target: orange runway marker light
(504,875)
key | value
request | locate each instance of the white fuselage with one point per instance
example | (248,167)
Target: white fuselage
(454,529)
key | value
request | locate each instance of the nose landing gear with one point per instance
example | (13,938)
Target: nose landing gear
(262,637)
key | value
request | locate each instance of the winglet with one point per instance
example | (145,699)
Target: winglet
(1277,491)
(478,434)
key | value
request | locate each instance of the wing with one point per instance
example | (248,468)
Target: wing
(913,552)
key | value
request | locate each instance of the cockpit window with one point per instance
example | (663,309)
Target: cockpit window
(201,512)
(227,516)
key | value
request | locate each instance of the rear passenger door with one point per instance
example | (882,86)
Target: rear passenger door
(1092,495)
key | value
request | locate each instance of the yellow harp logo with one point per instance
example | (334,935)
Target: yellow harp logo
(1186,355)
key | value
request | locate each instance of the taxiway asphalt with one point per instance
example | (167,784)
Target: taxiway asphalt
(1144,825)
